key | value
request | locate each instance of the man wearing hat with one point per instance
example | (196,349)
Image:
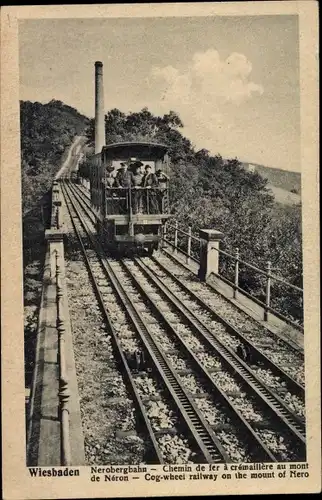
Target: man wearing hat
(150,181)
(163,180)
(137,184)
(124,176)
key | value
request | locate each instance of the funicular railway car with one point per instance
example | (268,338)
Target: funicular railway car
(131,216)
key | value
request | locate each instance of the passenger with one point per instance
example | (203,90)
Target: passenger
(137,184)
(162,179)
(162,184)
(111,173)
(149,178)
(138,174)
(149,182)
(109,182)
(124,177)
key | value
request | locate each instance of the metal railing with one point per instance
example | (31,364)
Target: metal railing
(64,392)
(185,247)
(144,200)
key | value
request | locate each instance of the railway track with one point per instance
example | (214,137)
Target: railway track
(202,436)
(236,316)
(183,317)
(228,335)
(281,418)
(282,365)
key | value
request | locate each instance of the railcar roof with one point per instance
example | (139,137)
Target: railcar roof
(124,150)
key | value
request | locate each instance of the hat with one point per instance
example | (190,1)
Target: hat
(136,163)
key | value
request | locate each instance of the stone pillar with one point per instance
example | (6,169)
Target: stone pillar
(209,255)
(55,239)
(56,204)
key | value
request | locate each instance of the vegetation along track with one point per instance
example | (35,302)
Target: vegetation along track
(280,431)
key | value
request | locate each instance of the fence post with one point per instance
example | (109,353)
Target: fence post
(236,273)
(268,291)
(164,235)
(189,245)
(175,237)
(64,393)
(165,228)
(58,217)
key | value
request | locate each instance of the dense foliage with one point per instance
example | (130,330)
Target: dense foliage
(46,131)
(208,191)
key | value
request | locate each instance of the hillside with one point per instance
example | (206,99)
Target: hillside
(47,130)
(283,179)
(284,197)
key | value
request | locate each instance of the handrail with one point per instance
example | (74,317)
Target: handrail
(135,187)
(251,266)
(235,282)
(64,392)
(149,200)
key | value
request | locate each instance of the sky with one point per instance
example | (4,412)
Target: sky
(234,81)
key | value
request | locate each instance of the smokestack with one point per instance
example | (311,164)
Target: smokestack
(99,108)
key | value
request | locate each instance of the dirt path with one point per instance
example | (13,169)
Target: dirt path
(73,156)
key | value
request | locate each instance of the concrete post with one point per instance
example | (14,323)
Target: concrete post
(56,204)
(209,254)
(163,235)
(55,239)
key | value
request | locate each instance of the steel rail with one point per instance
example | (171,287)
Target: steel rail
(118,349)
(260,356)
(291,426)
(210,286)
(202,433)
(264,453)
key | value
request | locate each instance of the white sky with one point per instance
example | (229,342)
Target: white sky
(233,80)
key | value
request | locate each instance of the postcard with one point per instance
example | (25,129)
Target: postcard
(160,243)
